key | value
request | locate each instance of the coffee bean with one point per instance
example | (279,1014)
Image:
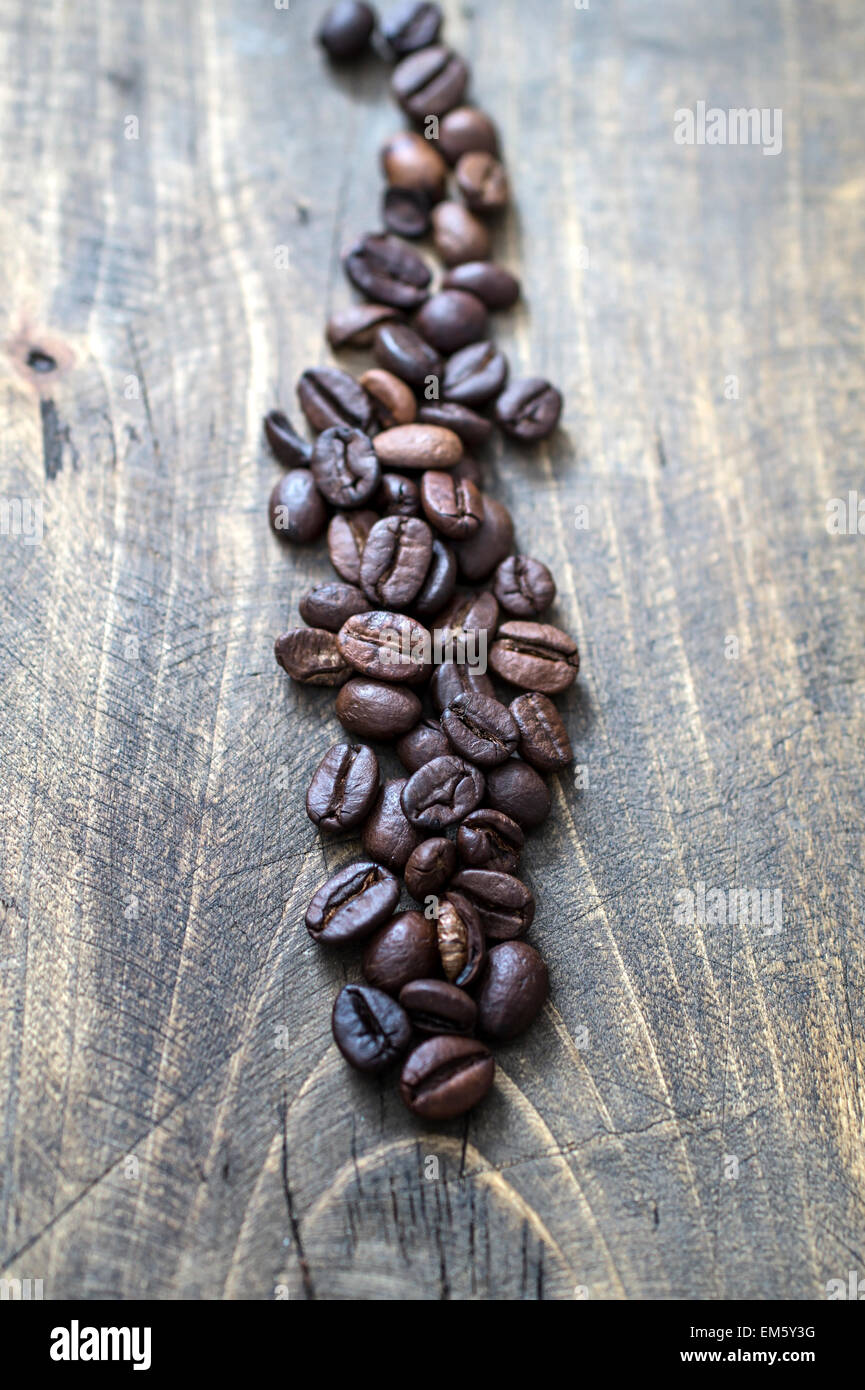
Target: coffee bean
(535,656)
(489,840)
(410,161)
(328,605)
(430,81)
(441,793)
(395,560)
(418,446)
(439,584)
(524,587)
(343,787)
(386,646)
(388,271)
(405,353)
(354,327)
(469,468)
(352,903)
(480,729)
(453,506)
(544,740)
(311,656)
(468,613)
(429,867)
(346,29)
(404,949)
(397,496)
(346,538)
(393,402)
(330,397)
(427,740)
(372,709)
(482,180)
(505,906)
(297,509)
(370,1029)
(436,1006)
(460,939)
(412,26)
(459,235)
(387,836)
(472,428)
(345,466)
(285,443)
(512,991)
(406,211)
(453,678)
(445,1077)
(529,409)
(474,374)
(516,790)
(492,284)
(464,129)
(451,319)
(490,543)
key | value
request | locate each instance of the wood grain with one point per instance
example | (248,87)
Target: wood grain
(176,1122)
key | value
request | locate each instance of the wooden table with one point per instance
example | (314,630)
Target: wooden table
(685,1120)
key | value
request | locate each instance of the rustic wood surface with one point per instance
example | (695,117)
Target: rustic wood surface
(685,1121)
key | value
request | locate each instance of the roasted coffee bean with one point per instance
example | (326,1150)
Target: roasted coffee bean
(470,469)
(492,284)
(286,445)
(406,211)
(330,397)
(535,656)
(439,584)
(297,509)
(441,793)
(352,903)
(452,506)
(453,678)
(430,81)
(482,180)
(395,561)
(489,840)
(445,1077)
(460,939)
(464,129)
(346,28)
(512,991)
(370,1029)
(474,374)
(388,272)
(516,790)
(404,949)
(459,235)
(468,613)
(544,740)
(410,161)
(354,327)
(397,496)
(523,586)
(311,656)
(472,428)
(451,319)
(418,446)
(387,836)
(328,605)
(489,545)
(343,787)
(505,906)
(480,729)
(436,1006)
(393,402)
(529,409)
(373,709)
(427,740)
(430,866)
(345,466)
(386,646)
(405,353)
(346,538)
(412,26)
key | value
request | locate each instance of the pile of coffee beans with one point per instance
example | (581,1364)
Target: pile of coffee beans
(392,478)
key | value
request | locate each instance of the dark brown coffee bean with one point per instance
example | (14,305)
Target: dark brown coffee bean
(330,397)
(441,793)
(404,949)
(345,466)
(544,740)
(489,840)
(468,613)
(505,906)
(482,180)
(464,129)
(535,656)
(370,1029)
(512,991)
(470,469)
(297,509)
(311,656)
(516,790)
(439,584)
(406,211)
(474,374)
(343,787)
(354,327)
(395,561)
(454,507)
(460,939)
(346,538)
(471,428)
(480,729)
(352,903)
(451,320)
(453,678)
(492,284)
(346,28)
(411,26)
(405,353)
(397,496)
(386,646)
(436,1006)
(529,409)
(459,235)
(388,272)
(393,402)
(523,586)
(328,605)
(430,866)
(387,836)
(418,446)
(430,81)
(445,1077)
(286,445)
(410,161)
(373,709)
(427,740)
(489,545)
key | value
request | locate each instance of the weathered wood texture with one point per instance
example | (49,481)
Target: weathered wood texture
(175,1119)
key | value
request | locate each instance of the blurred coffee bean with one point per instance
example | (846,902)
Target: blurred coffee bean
(374,709)
(459,235)
(401,350)
(393,402)
(328,605)
(451,319)
(411,26)
(463,129)
(529,409)
(311,656)
(482,180)
(397,496)
(517,791)
(474,374)
(430,81)
(410,161)
(286,444)
(439,584)
(330,397)
(452,678)
(354,327)
(406,211)
(468,613)
(453,506)
(346,28)
(472,428)
(345,466)
(297,509)
(523,586)
(489,545)
(493,285)
(418,446)
(388,272)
